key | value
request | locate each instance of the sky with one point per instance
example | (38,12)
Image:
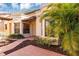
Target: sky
(15,7)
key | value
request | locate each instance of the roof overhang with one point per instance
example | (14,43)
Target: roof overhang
(3,18)
(29,19)
(6,17)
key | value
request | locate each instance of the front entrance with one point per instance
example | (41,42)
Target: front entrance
(16,27)
(29,28)
(26,28)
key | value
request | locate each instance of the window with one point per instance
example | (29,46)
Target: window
(17,27)
(48,29)
(5,26)
(26,28)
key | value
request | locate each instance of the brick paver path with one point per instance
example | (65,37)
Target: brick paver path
(10,46)
(31,50)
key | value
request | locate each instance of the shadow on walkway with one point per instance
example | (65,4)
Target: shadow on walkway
(21,45)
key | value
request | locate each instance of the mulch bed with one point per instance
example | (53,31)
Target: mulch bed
(32,42)
(51,48)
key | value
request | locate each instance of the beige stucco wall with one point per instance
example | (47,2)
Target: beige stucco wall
(1,26)
(33,27)
(40,25)
(8,31)
(36,27)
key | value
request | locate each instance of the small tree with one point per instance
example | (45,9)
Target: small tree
(65,20)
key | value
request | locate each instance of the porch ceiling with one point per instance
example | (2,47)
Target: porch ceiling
(32,18)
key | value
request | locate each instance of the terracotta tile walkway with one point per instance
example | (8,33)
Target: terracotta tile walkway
(31,50)
(10,46)
(28,50)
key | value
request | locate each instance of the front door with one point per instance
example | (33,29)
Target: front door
(17,28)
(26,28)
(10,28)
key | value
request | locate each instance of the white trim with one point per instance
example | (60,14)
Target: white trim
(21,27)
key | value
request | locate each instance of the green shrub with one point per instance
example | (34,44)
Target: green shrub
(43,41)
(16,36)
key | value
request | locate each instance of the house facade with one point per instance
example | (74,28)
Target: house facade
(28,24)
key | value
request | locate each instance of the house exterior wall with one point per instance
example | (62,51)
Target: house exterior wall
(9,27)
(16,19)
(40,25)
(33,28)
(1,26)
(37,27)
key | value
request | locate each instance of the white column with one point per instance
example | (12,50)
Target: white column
(21,27)
(38,27)
(43,28)
(13,28)
(31,29)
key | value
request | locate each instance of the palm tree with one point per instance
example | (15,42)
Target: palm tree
(65,20)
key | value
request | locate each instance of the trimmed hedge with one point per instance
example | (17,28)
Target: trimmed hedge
(43,41)
(16,36)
